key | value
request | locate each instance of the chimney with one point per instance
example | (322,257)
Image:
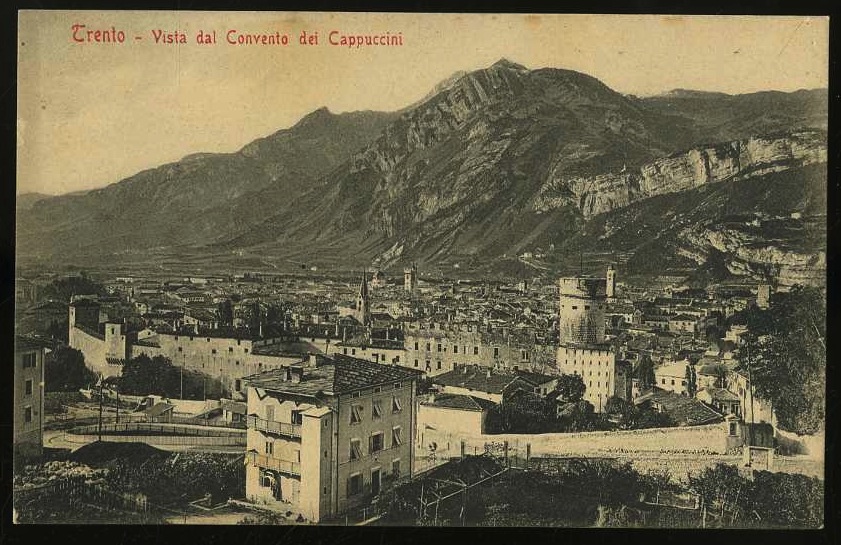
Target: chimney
(488,373)
(313,360)
(296,373)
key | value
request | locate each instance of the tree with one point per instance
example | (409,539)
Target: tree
(784,354)
(225,313)
(691,381)
(62,289)
(66,371)
(571,387)
(622,409)
(143,375)
(644,371)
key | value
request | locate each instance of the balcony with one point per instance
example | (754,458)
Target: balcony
(275,464)
(278,428)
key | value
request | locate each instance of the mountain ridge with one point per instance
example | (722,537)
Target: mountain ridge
(453,178)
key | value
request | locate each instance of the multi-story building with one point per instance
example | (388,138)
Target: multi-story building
(410,278)
(437,348)
(763,296)
(582,349)
(328,434)
(29,396)
(672,376)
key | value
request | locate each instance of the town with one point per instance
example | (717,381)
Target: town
(338,395)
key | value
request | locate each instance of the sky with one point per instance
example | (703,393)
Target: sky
(91,114)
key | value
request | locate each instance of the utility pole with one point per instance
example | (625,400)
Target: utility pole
(750,382)
(99,427)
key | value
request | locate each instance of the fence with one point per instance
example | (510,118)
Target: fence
(163,429)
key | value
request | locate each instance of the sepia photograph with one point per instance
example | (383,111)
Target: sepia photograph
(420,269)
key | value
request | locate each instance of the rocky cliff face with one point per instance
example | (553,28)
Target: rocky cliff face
(491,165)
(735,160)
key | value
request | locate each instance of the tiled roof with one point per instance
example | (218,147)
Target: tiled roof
(721,394)
(454,401)
(477,380)
(159,409)
(336,374)
(535,378)
(683,409)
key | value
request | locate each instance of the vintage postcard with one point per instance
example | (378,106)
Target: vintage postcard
(306,268)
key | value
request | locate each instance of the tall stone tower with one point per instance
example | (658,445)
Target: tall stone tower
(363,307)
(582,349)
(410,278)
(610,290)
(581,311)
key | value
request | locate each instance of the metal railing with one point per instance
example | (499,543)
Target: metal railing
(276,464)
(270,426)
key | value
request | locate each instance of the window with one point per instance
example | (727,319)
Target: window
(376,409)
(246,351)
(376,442)
(395,468)
(29,360)
(496,351)
(475,350)
(397,385)
(395,405)
(355,449)
(428,347)
(213,351)
(269,447)
(396,438)
(732,428)
(230,349)
(27,414)
(356,394)
(354,486)
(28,387)
(673,382)
(378,389)
(355,414)
(439,347)
(439,364)
(416,363)
(416,345)
(353,351)
(265,478)
(297,417)
(344,350)
(180,349)
(455,351)
(663,381)
(237,385)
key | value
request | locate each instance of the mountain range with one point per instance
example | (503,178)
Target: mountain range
(503,170)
